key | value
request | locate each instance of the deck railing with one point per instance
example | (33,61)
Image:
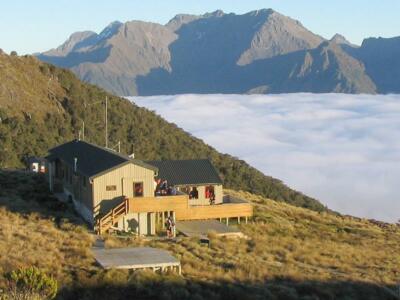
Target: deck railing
(231,199)
(233,207)
(158,204)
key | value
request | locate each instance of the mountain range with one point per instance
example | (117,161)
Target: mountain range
(261,51)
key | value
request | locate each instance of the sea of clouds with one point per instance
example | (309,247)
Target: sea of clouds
(341,149)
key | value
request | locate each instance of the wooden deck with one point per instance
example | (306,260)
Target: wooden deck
(178,208)
(137,258)
(183,211)
(201,228)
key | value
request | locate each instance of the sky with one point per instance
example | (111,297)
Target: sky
(35,26)
(341,149)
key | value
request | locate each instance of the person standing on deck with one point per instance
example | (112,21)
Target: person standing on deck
(169,224)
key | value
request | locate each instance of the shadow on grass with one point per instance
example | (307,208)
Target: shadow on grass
(172,287)
(25,193)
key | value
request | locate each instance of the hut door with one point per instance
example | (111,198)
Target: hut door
(127,190)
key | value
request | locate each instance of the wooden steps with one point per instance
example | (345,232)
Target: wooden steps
(107,221)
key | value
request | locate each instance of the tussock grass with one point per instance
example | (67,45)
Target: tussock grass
(291,253)
(34,233)
(297,244)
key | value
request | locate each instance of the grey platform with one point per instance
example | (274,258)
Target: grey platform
(200,228)
(137,258)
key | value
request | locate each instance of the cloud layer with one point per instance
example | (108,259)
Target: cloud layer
(341,149)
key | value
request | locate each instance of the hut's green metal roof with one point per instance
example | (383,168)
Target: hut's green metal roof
(92,160)
(187,172)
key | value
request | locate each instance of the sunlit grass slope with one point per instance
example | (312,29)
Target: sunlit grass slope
(290,253)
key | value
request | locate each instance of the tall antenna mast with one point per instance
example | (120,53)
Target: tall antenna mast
(106,122)
(117,145)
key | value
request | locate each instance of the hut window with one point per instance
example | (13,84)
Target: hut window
(194,193)
(138,189)
(209,192)
(111,187)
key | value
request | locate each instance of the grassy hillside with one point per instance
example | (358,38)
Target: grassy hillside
(290,253)
(42,106)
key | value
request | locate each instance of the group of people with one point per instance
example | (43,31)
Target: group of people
(161,188)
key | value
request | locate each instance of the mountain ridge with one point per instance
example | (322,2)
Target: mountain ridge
(212,53)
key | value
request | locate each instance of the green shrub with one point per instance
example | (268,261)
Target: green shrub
(30,283)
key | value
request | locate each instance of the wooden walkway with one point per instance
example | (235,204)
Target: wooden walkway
(137,258)
(197,228)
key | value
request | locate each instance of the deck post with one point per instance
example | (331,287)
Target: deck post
(238,220)
(246,220)
(99,224)
(174,227)
(163,220)
(227,221)
(138,226)
(152,223)
(124,227)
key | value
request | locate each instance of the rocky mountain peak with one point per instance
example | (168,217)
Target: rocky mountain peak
(217,13)
(277,34)
(110,30)
(263,11)
(176,22)
(339,39)
(74,42)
